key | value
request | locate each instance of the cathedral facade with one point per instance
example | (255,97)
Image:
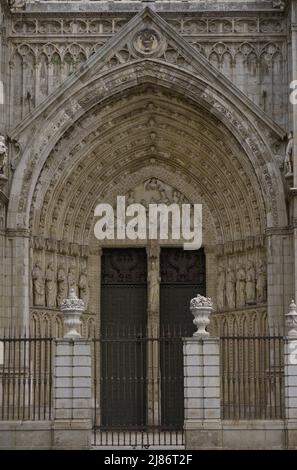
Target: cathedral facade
(175,102)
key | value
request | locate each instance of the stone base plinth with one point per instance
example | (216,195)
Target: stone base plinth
(72,434)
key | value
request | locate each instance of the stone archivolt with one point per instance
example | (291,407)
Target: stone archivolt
(109,164)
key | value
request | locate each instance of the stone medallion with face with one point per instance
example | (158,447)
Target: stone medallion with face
(147,41)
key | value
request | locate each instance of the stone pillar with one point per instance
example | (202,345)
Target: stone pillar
(202,425)
(280,276)
(17,271)
(153,327)
(290,363)
(73,376)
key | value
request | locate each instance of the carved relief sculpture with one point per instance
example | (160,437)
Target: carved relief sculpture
(3,156)
(153,286)
(62,285)
(240,287)
(230,288)
(50,286)
(83,287)
(261,284)
(38,285)
(250,284)
(221,288)
(72,279)
(289,154)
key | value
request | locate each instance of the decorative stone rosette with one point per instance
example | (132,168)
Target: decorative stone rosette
(201,308)
(72,309)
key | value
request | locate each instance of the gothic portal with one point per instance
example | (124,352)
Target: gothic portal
(176,102)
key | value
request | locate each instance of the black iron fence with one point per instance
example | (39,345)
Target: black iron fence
(252,381)
(26,377)
(138,390)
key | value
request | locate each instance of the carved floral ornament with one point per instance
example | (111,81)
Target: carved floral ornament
(201,301)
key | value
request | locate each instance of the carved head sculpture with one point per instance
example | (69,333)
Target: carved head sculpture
(147,41)
(3,148)
(147,38)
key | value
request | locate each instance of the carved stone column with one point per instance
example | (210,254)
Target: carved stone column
(153,328)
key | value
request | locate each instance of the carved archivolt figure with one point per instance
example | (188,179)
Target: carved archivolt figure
(230,288)
(38,285)
(62,285)
(50,286)
(221,288)
(261,285)
(250,284)
(83,287)
(72,279)
(289,154)
(240,287)
(3,156)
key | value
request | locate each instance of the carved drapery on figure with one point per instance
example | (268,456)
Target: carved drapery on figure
(261,285)
(38,285)
(72,279)
(3,156)
(50,286)
(62,285)
(83,287)
(289,154)
(221,288)
(153,285)
(240,287)
(230,288)
(250,284)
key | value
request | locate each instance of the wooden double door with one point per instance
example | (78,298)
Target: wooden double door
(126,362)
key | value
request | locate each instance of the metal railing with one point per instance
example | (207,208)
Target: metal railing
(252,377)
(26,377)
(138,391)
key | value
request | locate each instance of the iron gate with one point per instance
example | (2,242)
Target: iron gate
(141,374)
(252,377)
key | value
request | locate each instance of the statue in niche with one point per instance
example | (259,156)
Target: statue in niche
(72,279)
(261,284)
(62,285)
(221,288)
(250,284)
(50,286)
(3,156)
(289,154)
(240,286)
(38,285)
(230,288)
(153,285)
(83,287)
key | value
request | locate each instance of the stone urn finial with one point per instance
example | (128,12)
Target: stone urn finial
(201,308)
(72,309)
(291,320)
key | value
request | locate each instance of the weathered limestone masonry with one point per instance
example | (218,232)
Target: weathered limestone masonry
(72,425)
(73,379)
(203,427)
